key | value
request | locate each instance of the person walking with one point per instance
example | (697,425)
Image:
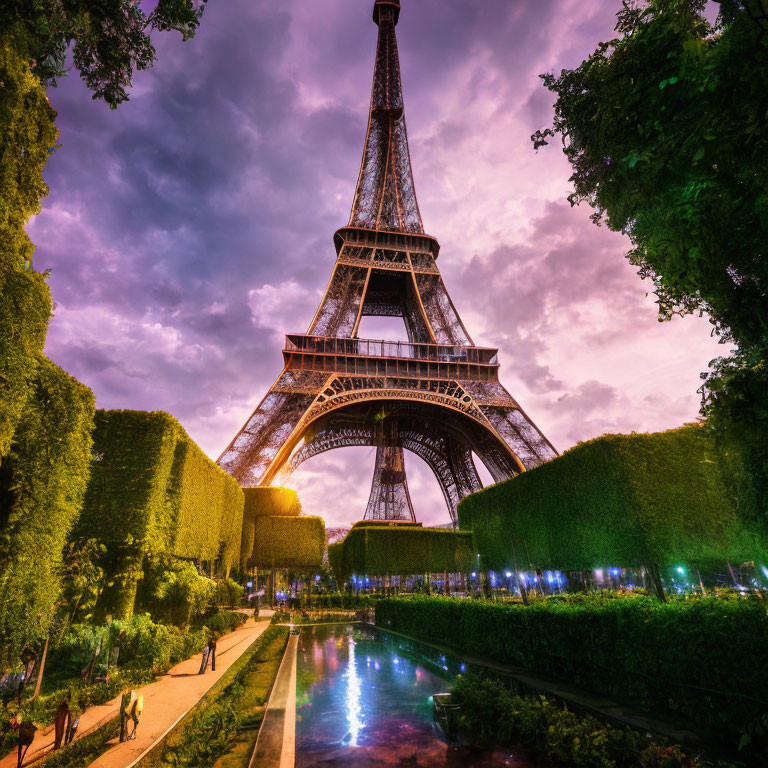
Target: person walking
(135,713)
(126,703)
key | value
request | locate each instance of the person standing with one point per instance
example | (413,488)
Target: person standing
(212,653)
(60,724)
(204,660)
(26,736)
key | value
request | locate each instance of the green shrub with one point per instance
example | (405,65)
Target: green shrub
(403,550)
(223,622)
(493,713)
(624,500)
(704,660)
(288,542)
(143,644)
(172,591)
(28,136)
(153,492)
(42,482)
(342,601)
(229,592)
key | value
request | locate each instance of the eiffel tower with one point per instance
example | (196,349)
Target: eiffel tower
(437,395)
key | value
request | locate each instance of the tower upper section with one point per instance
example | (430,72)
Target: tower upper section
(385,198)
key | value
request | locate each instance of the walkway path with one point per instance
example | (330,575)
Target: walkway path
(166,701)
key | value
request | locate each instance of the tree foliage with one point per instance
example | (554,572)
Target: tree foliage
(42,484)
(27,136)
(619,500)
(110,39)
(666,129)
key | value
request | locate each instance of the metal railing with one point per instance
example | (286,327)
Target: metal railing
(439,353)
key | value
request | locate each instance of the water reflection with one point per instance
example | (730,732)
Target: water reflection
(354,710)
(364,699)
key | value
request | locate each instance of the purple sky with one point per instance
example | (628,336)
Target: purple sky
(191,229)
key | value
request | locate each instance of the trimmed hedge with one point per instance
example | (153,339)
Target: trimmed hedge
(400,550)
(288,542)
(153,491)
(274,534)
(705,660)
(42,484)
(231,527)
(625,500)
(28,136)
(271,500)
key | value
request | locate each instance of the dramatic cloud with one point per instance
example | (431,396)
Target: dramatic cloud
(191,229)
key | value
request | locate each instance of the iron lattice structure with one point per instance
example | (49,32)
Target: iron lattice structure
(437,395)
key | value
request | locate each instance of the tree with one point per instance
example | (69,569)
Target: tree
(666,130)
(110,38)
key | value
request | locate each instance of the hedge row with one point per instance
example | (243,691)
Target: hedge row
(42,484)
(704,660)
(28,134)
(274,533)
(152,491)
(288,542)
(263,501)
(266,500)
(624,500)
(400,550)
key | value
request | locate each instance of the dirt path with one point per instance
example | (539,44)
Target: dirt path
(166,701)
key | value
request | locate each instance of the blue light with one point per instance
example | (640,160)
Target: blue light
(473,574)
(509,574)
(614,571)
(765,571)
(680,570)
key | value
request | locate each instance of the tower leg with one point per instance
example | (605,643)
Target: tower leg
(389,499)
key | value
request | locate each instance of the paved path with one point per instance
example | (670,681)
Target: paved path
(166,701)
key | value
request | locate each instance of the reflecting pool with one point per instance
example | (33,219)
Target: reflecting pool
(364,698)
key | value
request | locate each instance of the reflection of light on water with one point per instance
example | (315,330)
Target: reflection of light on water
(354,710)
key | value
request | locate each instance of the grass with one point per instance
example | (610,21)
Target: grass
(257,683)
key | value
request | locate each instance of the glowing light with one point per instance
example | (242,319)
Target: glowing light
(599,574)
(509,574)
(354,710)
(680,570)
(614,571)
(473,574)
(765,571)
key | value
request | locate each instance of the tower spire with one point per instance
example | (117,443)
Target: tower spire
(385,198)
